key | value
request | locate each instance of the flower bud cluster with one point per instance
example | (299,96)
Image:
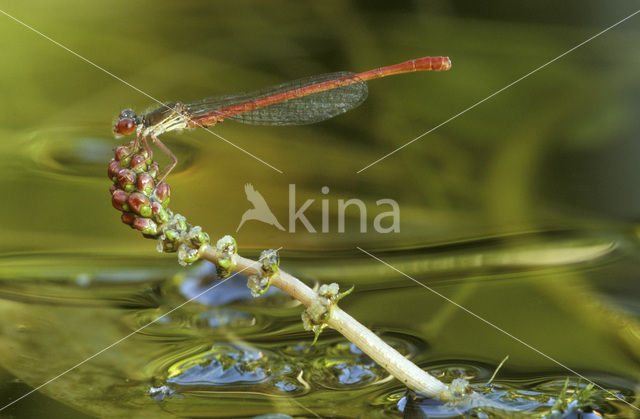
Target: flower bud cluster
(144,203)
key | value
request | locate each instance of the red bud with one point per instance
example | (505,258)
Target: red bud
(153,170)
(128,217)
(114,168)
(145,183)
(145,225)
(119,200)
(122,152)
(145,153)
(139,204)
(138,163)
(126,179)
(163,192)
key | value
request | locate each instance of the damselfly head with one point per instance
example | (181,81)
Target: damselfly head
(126,124)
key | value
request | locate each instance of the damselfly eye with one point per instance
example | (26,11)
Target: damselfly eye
(128,113)
(125,126)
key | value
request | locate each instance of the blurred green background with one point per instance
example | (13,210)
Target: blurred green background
(524,207)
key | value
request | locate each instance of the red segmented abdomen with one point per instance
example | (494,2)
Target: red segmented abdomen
(303,96)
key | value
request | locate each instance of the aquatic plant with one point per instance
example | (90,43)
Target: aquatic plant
(143,199)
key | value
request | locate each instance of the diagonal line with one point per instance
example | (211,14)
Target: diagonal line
(120,340)
(304,407)
(133,87)
(498,92)
(496,327)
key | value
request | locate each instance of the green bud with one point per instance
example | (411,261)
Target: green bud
(225,263)
(270,261)
(197,237)
(221,272)
(187,255)
(146,226)
(227,245)
(145,211)
(258,284)
(159,214)
(171,235)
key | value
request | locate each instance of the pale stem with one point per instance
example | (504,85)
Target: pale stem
(384,355)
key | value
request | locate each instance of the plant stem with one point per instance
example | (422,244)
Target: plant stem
(384,355)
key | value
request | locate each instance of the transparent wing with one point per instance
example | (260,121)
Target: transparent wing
(308,109)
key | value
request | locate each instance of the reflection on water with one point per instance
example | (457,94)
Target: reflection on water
(226,348)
